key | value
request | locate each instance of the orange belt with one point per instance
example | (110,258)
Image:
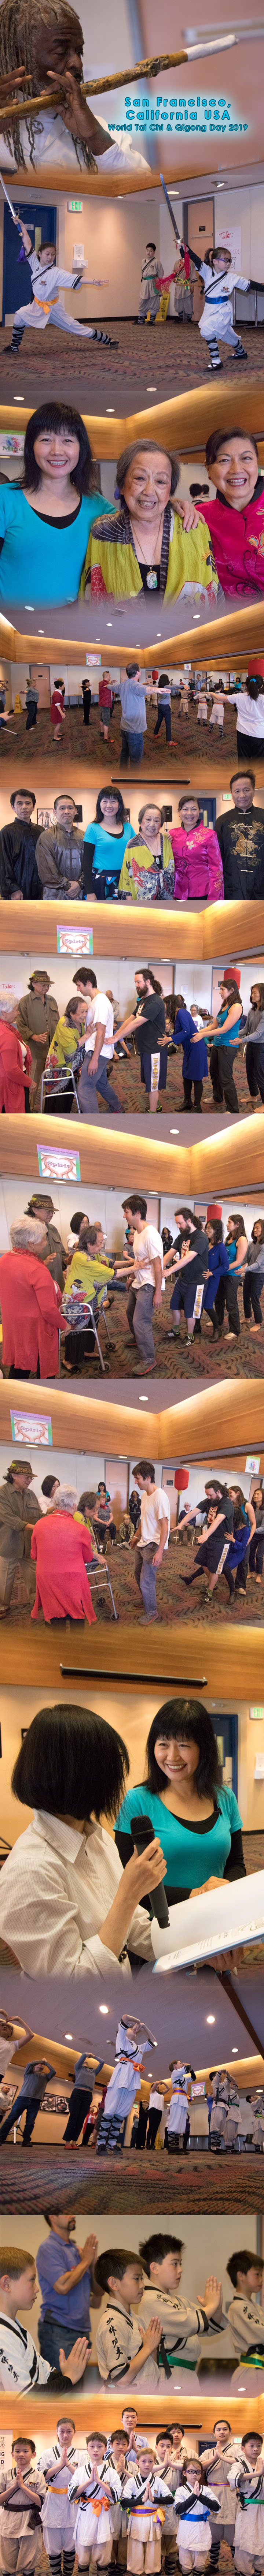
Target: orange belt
(100,2504)
(45,308)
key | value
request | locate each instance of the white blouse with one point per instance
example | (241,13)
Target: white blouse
(56,1888)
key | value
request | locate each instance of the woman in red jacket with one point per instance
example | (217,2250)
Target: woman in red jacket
(62,1588)
(15,1076)
(30,1306)
(198,863)
(235,515)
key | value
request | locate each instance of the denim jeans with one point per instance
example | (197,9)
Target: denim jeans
(132,746)
(90,1084)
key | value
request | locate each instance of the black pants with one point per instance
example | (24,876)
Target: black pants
(79,2105)
(142,2125)
(226,1295)
(163,717)
(58,1104)
(187,1086)
(256,1552)
(154,2120)
(222,1078)
(31,718)
(87,700)
(252,1284)
(255,1069)
(77,1348)
(250,747)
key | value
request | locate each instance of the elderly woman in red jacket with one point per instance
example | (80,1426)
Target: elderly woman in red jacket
(15,1069)
(61,1559)
(30,1306)
(198,863)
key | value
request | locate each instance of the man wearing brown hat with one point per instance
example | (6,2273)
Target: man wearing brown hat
(36,1020)
(19,1510)
(53,1250)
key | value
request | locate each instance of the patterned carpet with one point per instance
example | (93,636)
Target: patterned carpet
(131,1092)
(174,1602)
(176,358)
(138,2182)
(205,1357)
(193,744)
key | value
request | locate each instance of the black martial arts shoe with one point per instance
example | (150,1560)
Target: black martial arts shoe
(238,354)
(104,337)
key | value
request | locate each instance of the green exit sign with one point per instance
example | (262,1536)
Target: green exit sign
(74,206)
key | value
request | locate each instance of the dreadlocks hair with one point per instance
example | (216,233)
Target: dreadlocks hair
(19,29)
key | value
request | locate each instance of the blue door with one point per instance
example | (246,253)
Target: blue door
(41,221)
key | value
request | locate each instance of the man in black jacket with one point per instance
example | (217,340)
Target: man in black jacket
(18,871)
(241,840)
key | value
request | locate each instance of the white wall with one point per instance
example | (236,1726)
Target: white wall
(113,973)
(106,1205)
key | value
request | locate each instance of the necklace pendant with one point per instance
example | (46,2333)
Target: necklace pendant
(151,580)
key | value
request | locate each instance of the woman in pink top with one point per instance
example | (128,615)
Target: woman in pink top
(198,863)
(235,514)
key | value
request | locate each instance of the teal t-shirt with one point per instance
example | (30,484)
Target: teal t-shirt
(43,558)
(192,1853)
(109,847)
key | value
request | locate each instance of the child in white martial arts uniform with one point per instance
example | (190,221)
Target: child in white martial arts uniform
(194,2537)
(47,280)
(150,2500)
(132,2040)
(202,707)
(177,2122)
(21,2493)
(220,2092)
(217,710)
(219,279)
(246,2320)
(98,2518)
(249,2522)
(182,2322)
(59,2462)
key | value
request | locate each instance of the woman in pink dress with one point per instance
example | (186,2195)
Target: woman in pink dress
(198,863)
(62,1588)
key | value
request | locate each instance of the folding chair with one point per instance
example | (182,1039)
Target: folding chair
(62,1080)
(99,1580)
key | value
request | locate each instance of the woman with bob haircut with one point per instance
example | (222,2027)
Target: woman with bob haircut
(105,842)
(45,520)
(235,515)
(198,1820)
(253,1281)
(147,875)
(66,1906)
(254,1033)
(153,542)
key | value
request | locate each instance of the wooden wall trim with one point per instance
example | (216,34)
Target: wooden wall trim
(221,1420)
(219,931)
(223,1161)
(183,421)
(193,1657)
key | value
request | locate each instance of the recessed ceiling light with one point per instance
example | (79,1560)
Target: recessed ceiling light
(143,1399)
(104,2008)
(151,389)
(28,606)
(210,2017)
(110,407)
(68,2034)
(220,184)
(41,630)
(234,2052)
(174,1131)
(109,621)
(18,397)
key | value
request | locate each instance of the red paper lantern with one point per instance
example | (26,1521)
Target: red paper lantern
(255,668)
(181,1479)
(214,1211)
(231,974)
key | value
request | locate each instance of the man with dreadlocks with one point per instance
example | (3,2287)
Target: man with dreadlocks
(46,45)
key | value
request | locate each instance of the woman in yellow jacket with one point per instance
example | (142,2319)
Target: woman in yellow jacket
(67,1037)
(87,1279)
(148,870)
(152,541)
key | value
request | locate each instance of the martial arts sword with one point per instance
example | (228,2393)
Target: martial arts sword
(15,218)
(168,204)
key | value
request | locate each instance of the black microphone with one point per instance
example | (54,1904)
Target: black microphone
(142,1833)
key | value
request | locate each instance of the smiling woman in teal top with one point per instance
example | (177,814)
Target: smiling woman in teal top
(45,521)
(197,1819)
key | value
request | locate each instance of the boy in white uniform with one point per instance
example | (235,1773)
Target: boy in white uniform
(194,2537)
(249,2522)
(21,2493)
(147,2492)
(132,2040)
(21,2366)
(46,281)
(182,2323)
(124,2352)
(246,2320)
(98,2518)
(177,2122)
(217,321)
(58,2514)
